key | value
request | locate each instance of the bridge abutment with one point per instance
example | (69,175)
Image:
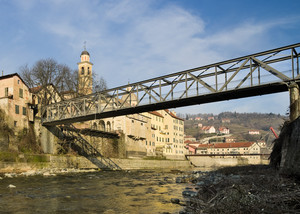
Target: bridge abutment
(294,101)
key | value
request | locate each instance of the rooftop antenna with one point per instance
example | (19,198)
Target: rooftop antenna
(84,45)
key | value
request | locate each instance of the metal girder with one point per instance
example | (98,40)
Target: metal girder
(198,85)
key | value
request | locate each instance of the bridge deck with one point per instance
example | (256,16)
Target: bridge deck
(257,74)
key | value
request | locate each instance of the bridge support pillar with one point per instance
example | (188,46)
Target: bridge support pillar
(294,101)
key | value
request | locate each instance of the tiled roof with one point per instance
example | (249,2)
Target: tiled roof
(226,145)
(173,115)
(12,75)
(36,89)
(206,127)
(233,145)
(155,113)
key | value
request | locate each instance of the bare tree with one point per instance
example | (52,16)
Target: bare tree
(48,71)
(99,84)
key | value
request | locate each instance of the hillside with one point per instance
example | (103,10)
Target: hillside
(239,124)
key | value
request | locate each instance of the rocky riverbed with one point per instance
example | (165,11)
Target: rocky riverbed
(247,189)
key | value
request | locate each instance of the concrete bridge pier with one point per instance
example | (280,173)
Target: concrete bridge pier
(294,101)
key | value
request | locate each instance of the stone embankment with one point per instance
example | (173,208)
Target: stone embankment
(69,164)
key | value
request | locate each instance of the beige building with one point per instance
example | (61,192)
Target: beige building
(168,134)
(230,148)
(16,100)
(158,133)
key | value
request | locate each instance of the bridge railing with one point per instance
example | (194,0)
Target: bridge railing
(279,65)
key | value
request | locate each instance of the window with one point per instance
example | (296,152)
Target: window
(17,109)
(6,92)
(88,70)
(20,92)
(15,123)
(82,70)
(18,81)
(24,111)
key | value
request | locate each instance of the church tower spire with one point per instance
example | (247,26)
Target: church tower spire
(85,79)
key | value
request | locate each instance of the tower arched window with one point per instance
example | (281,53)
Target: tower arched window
(82,70)
(88,70)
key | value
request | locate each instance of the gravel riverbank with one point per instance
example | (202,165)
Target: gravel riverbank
(245,189)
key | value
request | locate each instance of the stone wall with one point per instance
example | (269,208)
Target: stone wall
(78,162)
(213,162)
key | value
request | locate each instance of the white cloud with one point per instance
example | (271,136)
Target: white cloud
(137,40)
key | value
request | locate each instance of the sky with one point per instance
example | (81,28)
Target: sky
(134,40)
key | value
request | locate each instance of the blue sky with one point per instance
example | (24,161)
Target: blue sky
(133,40)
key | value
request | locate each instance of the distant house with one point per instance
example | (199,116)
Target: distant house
(200,125)
(226,120)
(230,139)
(189,138)
(211,118)
(208,129)
(191,146)
(253,132)
(224,130)
(198,118)
(191,149)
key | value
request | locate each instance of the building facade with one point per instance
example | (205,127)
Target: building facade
(15,101)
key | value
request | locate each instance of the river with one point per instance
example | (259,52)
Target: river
(106,192)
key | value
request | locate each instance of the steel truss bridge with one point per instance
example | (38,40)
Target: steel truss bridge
(262,73)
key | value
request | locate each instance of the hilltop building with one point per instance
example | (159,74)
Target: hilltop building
(208,129)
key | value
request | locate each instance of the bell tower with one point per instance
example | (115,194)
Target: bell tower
(85,79)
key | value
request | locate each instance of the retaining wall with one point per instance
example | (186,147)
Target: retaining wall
(62,162)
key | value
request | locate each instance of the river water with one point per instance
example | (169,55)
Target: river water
(106,192)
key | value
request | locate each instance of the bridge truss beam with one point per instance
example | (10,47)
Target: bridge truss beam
(257,74)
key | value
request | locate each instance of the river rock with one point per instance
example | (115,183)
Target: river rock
(11,186)
(200,183)
(29,173)
(175,200)
(9,175)
(189,193)
(179,180)
(46,174)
